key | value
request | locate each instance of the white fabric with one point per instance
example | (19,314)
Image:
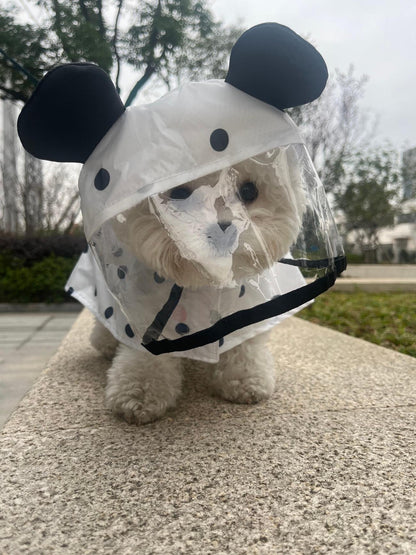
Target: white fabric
(158,146)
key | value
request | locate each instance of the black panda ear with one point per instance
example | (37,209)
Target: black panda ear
(277,66)
(68,114)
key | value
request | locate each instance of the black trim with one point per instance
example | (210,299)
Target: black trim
(243,318)
(340,263)
(156,327)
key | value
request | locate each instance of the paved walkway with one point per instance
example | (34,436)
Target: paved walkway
(377,278)
(380,271)
(27,342)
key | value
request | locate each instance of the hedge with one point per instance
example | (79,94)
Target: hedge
(33,249)
(35,269)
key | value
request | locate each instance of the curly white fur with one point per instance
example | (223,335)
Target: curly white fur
(141,387)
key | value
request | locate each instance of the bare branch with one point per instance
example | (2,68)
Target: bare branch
(15,95)
(114,44)
(58,30)
(101,24)
(67,211)
(84,10)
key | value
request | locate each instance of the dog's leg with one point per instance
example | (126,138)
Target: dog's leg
(142,387)
(103,340)
(246,374)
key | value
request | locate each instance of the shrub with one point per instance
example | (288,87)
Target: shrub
(36,248)
(354,258)
(43,281)
(35,269)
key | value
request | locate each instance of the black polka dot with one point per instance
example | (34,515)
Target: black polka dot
(158,278)
(129,331)
(122,271)
(221,342)
(95,292)
(118,252)
(219,139)
(109,312)
(242,290)
(70,290)
(182,328)
(101,180)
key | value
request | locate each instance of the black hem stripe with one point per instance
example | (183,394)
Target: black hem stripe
(243,318)
(157,326)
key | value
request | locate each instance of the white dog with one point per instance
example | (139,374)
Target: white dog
(269,212)
(179,207)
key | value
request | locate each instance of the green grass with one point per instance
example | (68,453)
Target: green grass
(387,319)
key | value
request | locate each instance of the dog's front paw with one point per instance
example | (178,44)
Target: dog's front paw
(141,390)
(246,390)
(245,374)
(140,405)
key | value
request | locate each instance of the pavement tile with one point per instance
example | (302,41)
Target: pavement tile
(27,341)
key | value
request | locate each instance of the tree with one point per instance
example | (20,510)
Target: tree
(158,38)
(369,196)
(162,40)
(334,126)
(10,219)
(409,174)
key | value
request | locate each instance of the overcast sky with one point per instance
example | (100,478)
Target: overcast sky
(377,37)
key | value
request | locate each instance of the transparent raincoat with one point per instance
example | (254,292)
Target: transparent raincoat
(205,218)
(205,227)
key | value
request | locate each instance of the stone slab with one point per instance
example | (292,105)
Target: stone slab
(325,466)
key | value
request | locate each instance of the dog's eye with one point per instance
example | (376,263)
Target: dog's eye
(248,192)
(180,193)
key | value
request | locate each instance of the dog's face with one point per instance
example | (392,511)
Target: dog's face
(225,226)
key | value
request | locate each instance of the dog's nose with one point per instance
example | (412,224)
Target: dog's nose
(224,225)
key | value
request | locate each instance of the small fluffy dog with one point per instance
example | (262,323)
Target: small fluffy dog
(268,213)
(234,224)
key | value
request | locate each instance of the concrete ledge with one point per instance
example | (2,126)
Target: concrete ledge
(326,466)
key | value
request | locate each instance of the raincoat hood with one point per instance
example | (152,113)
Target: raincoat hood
(194,131)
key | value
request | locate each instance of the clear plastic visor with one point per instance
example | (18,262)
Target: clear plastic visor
(220,237)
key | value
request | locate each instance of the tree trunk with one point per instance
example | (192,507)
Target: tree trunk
(10,181)
(33,195)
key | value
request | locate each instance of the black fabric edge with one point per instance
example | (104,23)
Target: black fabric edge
(253,315)
(156,327)
(315,264)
